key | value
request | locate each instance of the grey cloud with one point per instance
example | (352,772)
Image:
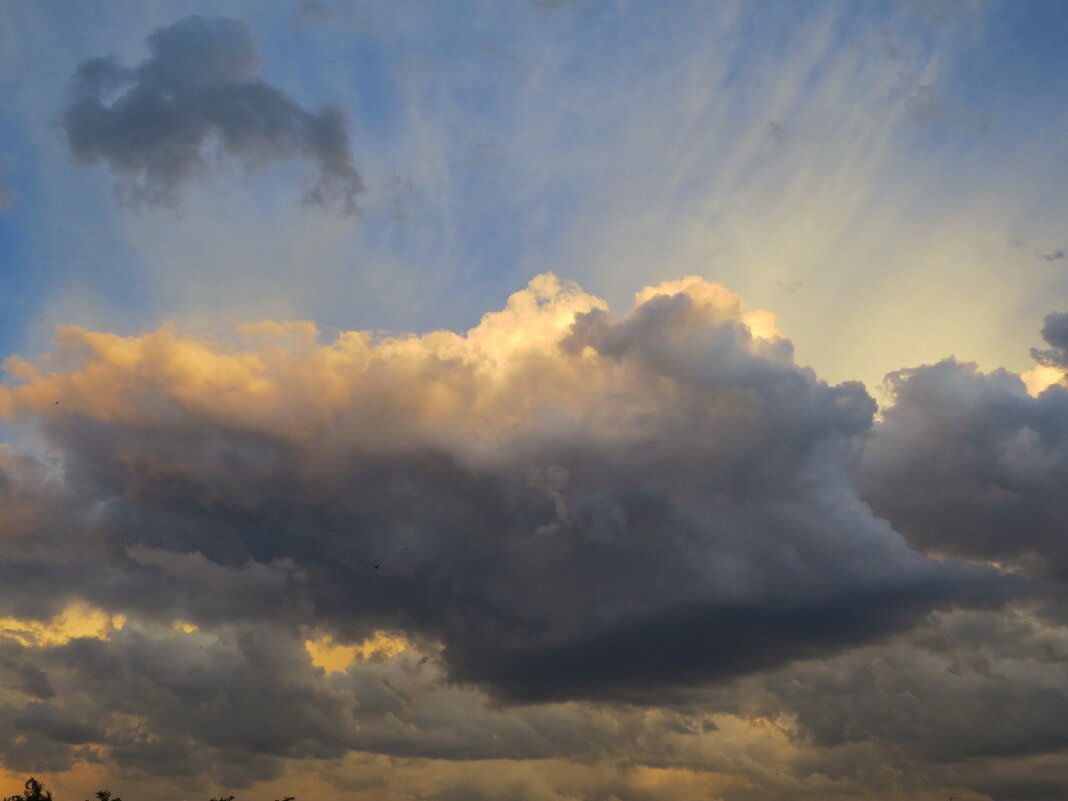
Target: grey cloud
(651,509)
(156,125)
(968,464)
(46,719)
(1056,255)
(7,191)
(236,701)
(701,524)
(243,698)
(1055,332)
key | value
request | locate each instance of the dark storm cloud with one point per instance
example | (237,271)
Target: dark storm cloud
(969,464)
(157,125)
(609,508)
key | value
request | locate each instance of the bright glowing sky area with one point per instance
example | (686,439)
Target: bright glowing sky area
(534,400)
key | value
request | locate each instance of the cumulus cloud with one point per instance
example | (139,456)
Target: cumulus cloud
(973,464)
(159,125)
(640,532)
(574,505)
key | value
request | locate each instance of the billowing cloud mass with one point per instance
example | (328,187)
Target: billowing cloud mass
(561,542)
(158,125)
(575,505)
(974,465)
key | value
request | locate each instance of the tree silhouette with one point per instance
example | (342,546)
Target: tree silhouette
(34,791)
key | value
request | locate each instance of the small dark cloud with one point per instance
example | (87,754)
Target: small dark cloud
(158,125)
(777,134)
(553,5)
(7,191)
(796,285)
(1054,255)
(1055,332)
(314,11)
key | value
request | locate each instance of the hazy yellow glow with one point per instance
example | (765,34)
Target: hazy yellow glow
(77,620)
(1040,377)
(332,657)
(184,627)
(762,324)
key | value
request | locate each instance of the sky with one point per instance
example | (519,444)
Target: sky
(534,400)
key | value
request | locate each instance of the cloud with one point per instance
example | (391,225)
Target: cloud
(7,191)
(906,716)
(970,464)
(574,505)
(158,126)
(1055,332)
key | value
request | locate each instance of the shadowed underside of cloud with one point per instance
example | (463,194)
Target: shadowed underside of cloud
(158,125)
(575,505)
